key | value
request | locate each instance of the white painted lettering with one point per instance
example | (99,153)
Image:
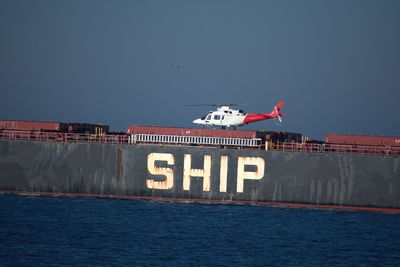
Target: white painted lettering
(168,183)
(242,174)
(188,172)
(223,174)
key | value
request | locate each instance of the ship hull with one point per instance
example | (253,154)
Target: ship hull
(199,174)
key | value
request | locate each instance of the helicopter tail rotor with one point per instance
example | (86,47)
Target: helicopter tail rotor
(276,111)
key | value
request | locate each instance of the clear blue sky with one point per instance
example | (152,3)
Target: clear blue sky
(336,64)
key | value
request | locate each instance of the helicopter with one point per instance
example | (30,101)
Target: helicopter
(229,118)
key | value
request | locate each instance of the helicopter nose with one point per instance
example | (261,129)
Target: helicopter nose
(197,121)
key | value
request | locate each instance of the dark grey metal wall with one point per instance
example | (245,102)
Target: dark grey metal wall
(124,170)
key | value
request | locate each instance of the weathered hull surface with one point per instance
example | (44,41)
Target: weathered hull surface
(199,174)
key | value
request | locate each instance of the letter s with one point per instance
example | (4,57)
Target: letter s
(168,183)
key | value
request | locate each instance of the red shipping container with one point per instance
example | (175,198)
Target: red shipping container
(136,129)
(29,125)
(349,139)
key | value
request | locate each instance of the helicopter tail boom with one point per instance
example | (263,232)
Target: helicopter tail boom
(275,113)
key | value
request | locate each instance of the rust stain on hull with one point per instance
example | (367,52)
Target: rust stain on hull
(120,170)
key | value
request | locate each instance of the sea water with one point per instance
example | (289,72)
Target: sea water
(79,231)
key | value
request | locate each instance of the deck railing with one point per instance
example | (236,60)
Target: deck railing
(63,137)
(336,148)
(195,140)
(254,143)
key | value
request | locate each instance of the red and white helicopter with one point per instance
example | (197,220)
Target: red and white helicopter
(226,117)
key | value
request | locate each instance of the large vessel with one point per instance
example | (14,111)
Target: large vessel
(200,165)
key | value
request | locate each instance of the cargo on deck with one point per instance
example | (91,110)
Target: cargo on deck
(46,126)
(30,125)
(136,129)
(371,140)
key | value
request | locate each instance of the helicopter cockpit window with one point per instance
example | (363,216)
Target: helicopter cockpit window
(226,111)
(208,117)
(217,117)
(204,117)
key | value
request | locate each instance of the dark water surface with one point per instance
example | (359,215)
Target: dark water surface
(107,232)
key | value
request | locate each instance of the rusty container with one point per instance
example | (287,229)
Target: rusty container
(29,125)
(349,139)
(137,129)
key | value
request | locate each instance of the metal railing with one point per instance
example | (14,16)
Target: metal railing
(63,137)
(194,140)
(335,148)
(254,143)
(129,139)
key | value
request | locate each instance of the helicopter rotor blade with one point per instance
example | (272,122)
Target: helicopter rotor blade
(201,105)
(215,105)
(279,118)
